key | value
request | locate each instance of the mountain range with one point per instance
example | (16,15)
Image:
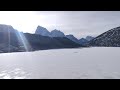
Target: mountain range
(44,32)
(57,33)
(110,38)
(11,40)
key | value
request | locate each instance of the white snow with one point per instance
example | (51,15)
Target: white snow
(88,63)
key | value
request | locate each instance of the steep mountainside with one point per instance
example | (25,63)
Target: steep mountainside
(39,42)
(71,37)
(110,38)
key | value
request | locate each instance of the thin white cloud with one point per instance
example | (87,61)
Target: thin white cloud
(78,23)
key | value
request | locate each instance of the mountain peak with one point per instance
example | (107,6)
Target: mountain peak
(55,30)
(83,41)
(57,33)
(40,27)
(6,28)
(89,38)
(70,35)
(5,25)
(42,31)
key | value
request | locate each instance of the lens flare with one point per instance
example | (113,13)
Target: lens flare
(24,41)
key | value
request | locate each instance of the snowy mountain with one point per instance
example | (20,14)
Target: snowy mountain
(83,41)
(42,31)
(6,28)
(88,38)
(110,38)
(57,33)
(11,40)
(38,42)
(71,37)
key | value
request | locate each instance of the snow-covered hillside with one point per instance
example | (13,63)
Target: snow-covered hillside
(110,38)
(79,63)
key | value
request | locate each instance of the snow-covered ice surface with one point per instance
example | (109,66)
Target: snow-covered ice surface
(86,63)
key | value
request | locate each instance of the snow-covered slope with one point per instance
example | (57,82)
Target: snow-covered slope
(62,63)
(111,38)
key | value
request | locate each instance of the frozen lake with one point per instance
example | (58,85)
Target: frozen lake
(86,63)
